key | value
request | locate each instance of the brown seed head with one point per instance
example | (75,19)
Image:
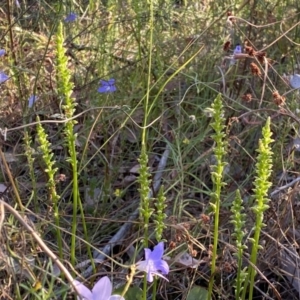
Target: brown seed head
(205,218)
(194,253)
(278,99)
(227,267)
(255,69)
(226,46)
(249,50)
(178,237)
(260,56)
(232,20)
(172,245)
(247,97)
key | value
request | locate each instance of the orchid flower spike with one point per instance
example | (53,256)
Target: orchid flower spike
(101,291)
(153,263)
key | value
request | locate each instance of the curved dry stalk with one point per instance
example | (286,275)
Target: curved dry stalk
(64,270)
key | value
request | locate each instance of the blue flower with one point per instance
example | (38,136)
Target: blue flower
(101,291)
(32,100)
(238,49)
(17,3)
(71,17)
(2,52)
(295,81)
(153,263)
(107,86)
(3,77)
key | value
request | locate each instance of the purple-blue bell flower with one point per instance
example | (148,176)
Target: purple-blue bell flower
(153,263)
(107,86)
(101,291)
(32,99)
(295,81)
(71,17)
(17,3)
(3,77)
(2,52)
(238,49)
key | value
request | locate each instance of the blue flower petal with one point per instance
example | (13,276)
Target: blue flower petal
(149,277)
(238,49)
(71,17)
(113,88)
(162,266)
(32,99)
(106,89)
(107,86)
(153,263)
(84,292)
(3,77)
(158,251)
(295,81)
(102,289)
(2,52)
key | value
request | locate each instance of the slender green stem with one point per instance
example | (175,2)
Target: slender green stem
(217,175)
(145,288)
(154,288)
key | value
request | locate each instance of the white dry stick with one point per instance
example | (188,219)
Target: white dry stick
(101,255)
(277,190)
